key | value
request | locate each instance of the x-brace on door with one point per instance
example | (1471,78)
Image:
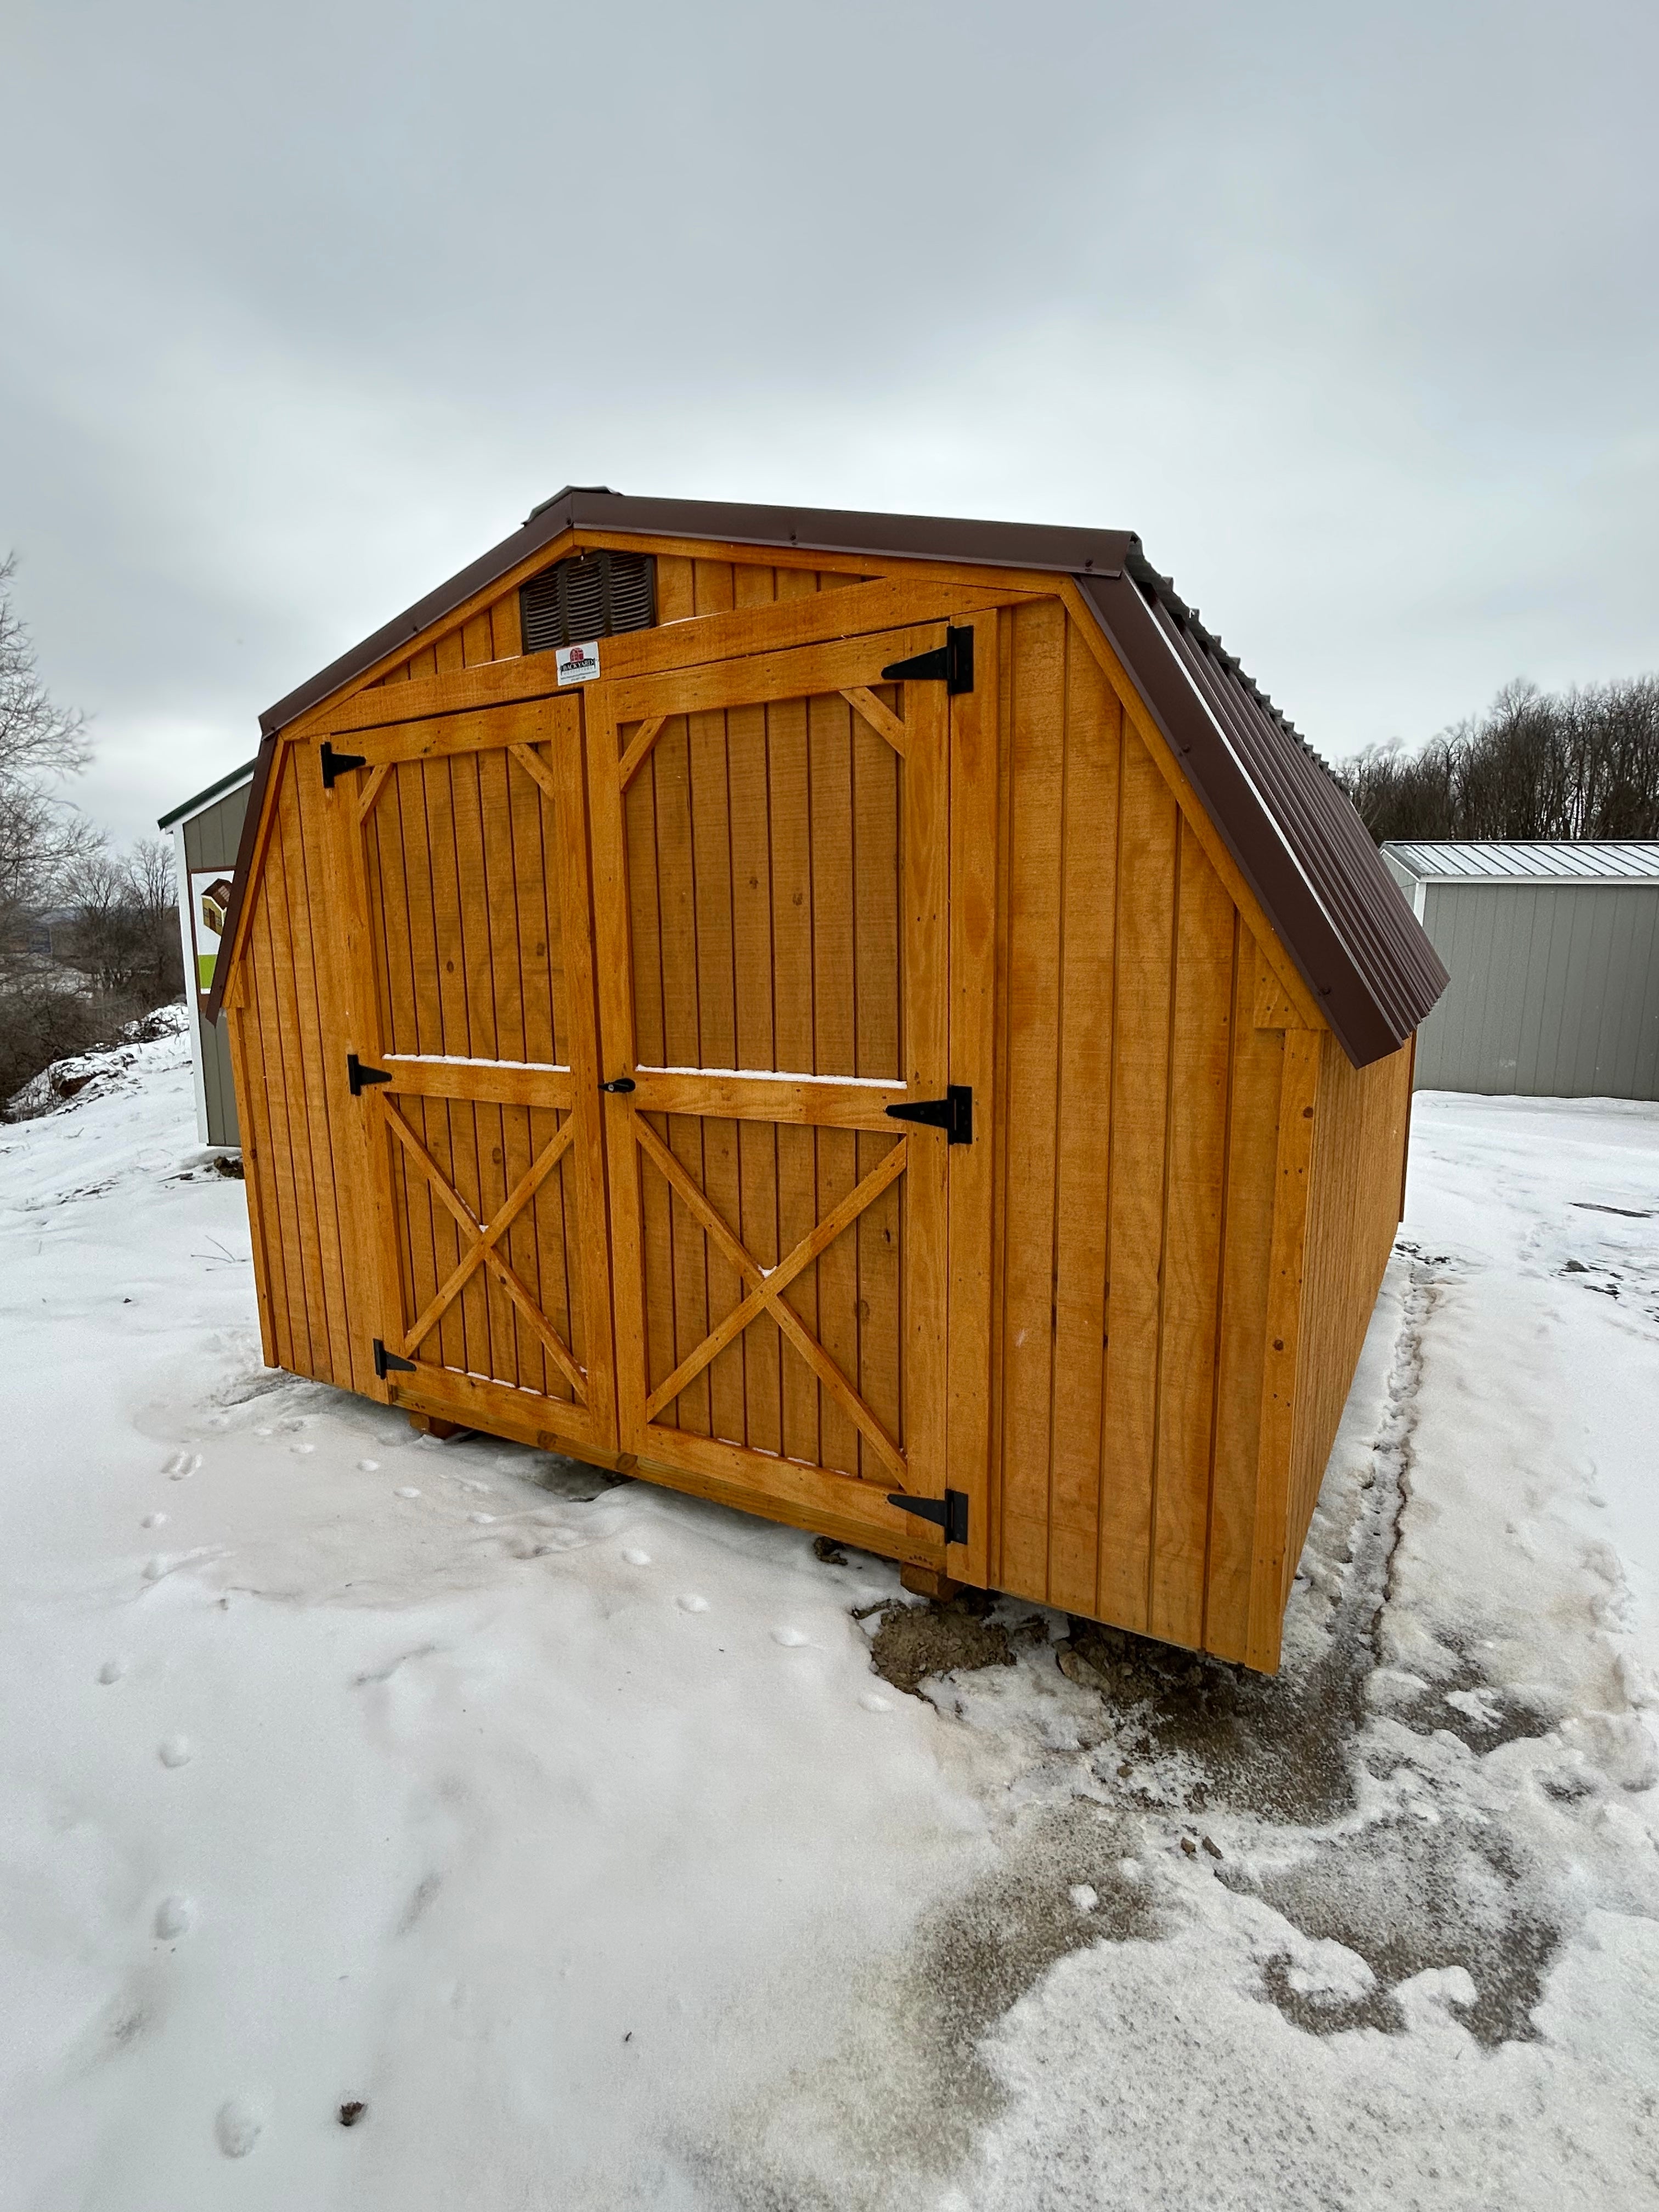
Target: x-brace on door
(462,838)
(771,841)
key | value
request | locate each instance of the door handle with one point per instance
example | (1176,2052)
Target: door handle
(622,1083)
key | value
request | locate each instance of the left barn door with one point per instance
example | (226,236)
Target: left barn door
(462,840)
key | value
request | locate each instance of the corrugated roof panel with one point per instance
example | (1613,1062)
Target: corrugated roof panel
(1490,860)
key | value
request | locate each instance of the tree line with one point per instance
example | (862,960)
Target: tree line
(88,936)
(1581,763)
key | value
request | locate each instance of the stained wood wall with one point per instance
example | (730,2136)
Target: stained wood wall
(1353,1211)
(1162,1236)
(1135,1170)
(297,1141)
(293,1133)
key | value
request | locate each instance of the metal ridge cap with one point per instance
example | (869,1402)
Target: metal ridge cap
(1059,549)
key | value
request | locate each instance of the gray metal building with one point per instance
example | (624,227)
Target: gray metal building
(1553,950)
(206,830)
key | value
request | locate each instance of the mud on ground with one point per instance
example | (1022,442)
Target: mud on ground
(1350,1795)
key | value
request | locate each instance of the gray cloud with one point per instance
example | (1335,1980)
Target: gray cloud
(1351,315)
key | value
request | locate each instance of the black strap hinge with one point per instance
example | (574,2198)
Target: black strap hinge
(954,1113)
(949,1512)
(360,1077)
(950,663)
(384,1361)
(337,763)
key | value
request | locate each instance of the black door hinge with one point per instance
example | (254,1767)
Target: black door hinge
(360,1077)
(337,763)
(950,663)
(384,1361)
(950,1512)
(954,1113)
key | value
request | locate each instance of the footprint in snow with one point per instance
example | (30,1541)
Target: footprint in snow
(636,1558)
(237,2127)
(112,1671)
(154,1568)
(182,1465)
(790,1638)
(369,1466)
(484,1520)
(174,1750)
(155,1520)
(691,1603)
(303,1449)
(567,1540)
(406,1492)
(174,1916)
(873,1702)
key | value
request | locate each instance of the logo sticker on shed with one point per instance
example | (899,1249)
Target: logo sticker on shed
(578,664)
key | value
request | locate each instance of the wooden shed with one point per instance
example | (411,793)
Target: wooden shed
(874,1020)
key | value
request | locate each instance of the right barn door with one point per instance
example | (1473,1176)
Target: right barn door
(772,867)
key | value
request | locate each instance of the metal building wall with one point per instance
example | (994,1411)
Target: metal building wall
(210,841)
(1554,990)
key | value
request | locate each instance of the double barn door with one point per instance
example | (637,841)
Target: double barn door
(638,971)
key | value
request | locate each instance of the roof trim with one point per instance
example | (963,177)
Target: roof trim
(264,761)
(237,776)
(1049,547)
(1372,982)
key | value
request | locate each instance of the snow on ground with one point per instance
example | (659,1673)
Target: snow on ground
(566,1826)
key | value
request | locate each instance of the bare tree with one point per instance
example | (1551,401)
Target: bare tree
(40,743)
(1574,765)
(125,936)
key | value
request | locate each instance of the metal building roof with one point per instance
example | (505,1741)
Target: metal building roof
(1289,826)
(189,806)
(1533,861)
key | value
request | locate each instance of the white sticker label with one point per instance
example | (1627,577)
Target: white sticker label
(578,664)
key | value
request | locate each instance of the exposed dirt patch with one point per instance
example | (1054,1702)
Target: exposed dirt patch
(915,1641)
(901,2100)
(1406,1896)
(977,1956)
(572,1479)
(1282,1746)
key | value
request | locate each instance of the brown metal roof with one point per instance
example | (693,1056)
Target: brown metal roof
(1287,823)
(1293,831)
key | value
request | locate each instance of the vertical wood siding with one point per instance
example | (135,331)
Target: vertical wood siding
(764,880)
(289,1147)
(1136,1144)
(1194,1194)
(1353,1212)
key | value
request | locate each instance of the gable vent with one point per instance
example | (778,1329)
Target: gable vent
(590,595)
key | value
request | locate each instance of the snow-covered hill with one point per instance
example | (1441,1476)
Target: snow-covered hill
(567,1828)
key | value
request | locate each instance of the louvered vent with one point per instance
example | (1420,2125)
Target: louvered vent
(590,595)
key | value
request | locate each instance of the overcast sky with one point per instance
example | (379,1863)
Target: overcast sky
(1350,313)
